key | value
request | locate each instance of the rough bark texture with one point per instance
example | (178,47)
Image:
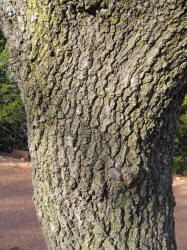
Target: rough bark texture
(102,83)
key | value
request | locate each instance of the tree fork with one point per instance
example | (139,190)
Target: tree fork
(102,82)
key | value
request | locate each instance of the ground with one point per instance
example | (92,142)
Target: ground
(18,223)
(180,192)
(19,228)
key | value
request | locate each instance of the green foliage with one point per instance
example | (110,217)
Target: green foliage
(2,41)
(180,159)
(180,165)
(3,59)
(11,107)
(12,114)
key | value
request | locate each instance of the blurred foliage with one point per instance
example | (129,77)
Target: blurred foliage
(12,114)
(11,107)
(180,158)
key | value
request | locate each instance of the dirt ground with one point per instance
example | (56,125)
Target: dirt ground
(19,229)
(180,192)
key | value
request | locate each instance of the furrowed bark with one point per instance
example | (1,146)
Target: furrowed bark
(102,83)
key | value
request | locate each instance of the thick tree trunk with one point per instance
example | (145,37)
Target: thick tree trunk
(102,83)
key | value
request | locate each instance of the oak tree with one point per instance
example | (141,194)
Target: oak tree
(102,82)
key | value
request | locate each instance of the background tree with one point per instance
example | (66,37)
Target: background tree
(180,159)
(102,82)
(12,113)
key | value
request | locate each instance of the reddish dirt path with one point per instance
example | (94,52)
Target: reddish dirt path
(18,223)
(180,192)
(19,229)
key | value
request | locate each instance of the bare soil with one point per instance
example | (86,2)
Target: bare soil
(180,192)
(19,228)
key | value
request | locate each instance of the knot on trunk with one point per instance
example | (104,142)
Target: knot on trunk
(132,179)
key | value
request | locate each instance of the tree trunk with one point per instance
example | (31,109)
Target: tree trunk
(102,82)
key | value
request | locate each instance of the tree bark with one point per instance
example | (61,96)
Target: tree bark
(102,82)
